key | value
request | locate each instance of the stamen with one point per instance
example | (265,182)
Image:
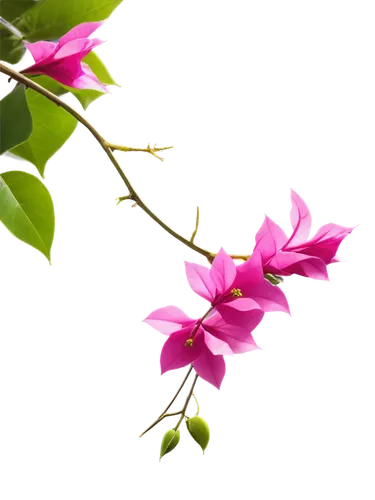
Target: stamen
(236,292)
(189,343)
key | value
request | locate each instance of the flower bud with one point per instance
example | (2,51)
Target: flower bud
(273,278)
(199,430)
(170,441)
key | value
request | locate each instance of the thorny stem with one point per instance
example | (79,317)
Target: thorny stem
(186,402)
(107,147)
(163,414)
(149,149)
(119,200)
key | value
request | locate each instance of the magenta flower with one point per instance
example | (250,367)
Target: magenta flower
(239,297)
(298,255)
(201,342)
(62,61)
(233,290)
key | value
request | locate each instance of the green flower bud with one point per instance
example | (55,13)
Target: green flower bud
(170,441)
(273,278)
(199,430)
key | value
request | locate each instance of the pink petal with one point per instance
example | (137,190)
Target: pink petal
(250,272)
(175,354)
(250,280)
(83,30)
(88,80)
(300,218)
(331,232)
(242,312)
(326,242)
(286,263)
(217,346)
(238,338)
(270,297)
(200,280)
(65,71)
(269,239)
(41,50)
(80,47)
(223,271)
(337,259)
(210,367)
(168,319)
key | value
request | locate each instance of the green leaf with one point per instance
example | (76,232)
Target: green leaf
(15,119)
(52,127)
(49,84)
(11,9)
(50,19)
(86,97)
(98,68)
(12,48)
(26,209)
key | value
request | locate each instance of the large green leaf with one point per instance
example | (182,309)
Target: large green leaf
(98,68)
(86,97)
(11,9)
(50,19)
(15,119)
(11,45)
(49,84)
(12,48)
(26,209)
(52,127)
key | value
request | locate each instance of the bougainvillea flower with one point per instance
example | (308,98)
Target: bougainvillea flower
(202,342)
(234,290)
(298,255)
(62,60)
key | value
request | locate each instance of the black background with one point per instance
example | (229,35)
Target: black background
(246,120)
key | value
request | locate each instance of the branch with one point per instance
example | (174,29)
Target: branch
(106,146)
(164,413)
(126,149)
(187,402)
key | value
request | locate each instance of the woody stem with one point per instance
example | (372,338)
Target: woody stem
(107,147)
(187,402)
(163,414)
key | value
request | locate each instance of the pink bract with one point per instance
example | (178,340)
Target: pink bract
(239,297)
(234,291)
(296,254)
(62,60)
(211,340)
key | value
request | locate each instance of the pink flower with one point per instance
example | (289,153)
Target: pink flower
(62,61)
(233,290)
(201,342)
(296,255)
(239,297)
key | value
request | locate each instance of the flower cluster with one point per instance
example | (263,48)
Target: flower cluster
(239,296)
